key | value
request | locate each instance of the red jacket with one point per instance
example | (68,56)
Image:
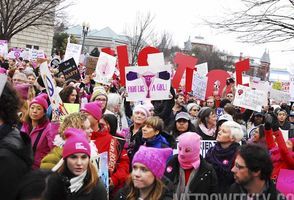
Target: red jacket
(282,158)
(118,160)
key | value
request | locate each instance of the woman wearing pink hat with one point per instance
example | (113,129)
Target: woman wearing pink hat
(78,177)
(39,128)
(148,167)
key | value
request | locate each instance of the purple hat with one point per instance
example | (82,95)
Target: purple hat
(23,90)
(2,70)
(76,142)
(153,158)
(94,109)
(41,100)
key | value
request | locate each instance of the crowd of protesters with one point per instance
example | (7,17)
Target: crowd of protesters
(153,147)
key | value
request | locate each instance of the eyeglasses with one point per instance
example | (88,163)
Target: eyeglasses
(239,167)
(195,109)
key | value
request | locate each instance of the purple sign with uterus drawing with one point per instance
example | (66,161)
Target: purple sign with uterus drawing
(148,83)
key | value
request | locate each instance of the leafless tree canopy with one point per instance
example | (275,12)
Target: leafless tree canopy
(139,35)
(17,15)
(261,21)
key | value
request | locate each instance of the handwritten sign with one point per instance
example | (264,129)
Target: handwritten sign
(73,51)
(260,85)
(148,83)
(103,170)
(251,99)
(105,68)
(91,62)
(3,48)
(199,86)
(56,102)
(202,69)
(70,70)
(280,96)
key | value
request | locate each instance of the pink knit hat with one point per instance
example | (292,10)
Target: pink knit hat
(41,100)
(141,108)
(2,70)
(94,109)
(189,150)
(153,158)
(22,90)
(76,142)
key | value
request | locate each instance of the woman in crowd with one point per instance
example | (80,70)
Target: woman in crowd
(109,121)
(285,125)
(153,135)
(53,160)
(78,175)
(282,153)
(69,94)
(187,172)
(206,124)
(100,95)
(39,128)
(193,110)
(148,168)
(257,136)
(181,125)
(222,155)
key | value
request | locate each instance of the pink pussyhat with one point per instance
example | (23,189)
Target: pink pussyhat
(94,109)
(189,150)
(153,158)
(41,100)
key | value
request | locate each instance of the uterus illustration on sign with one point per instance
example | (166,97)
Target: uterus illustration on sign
(148,78)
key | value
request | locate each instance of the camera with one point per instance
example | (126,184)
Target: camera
(229,81)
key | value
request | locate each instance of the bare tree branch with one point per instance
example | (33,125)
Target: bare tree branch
(260,21)
(17,15)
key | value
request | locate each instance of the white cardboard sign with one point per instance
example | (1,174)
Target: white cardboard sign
(73,51)
(105,68)
(199,86)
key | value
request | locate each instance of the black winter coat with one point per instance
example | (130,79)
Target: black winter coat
(16,158)
(270,193)
(205,180)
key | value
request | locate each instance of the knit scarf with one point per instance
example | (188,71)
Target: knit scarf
(77,182)
(206,131)
(222,158)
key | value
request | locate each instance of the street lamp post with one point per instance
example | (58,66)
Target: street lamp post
(86,27)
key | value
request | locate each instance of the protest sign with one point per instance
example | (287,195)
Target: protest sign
(251,99)
(90,63)
(148,83)
(205,145)
(56,102)
(260,85)
(285,181)
(73,51)
(3,79)
(279,96)
(199,86)
(277,85)
(155,59)
(105,68)
(202,69)
(103,170)
(54,63)
(291,87)
(72,107)
(3,48)
(70,70)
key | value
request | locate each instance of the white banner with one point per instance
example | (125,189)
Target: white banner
(202,69)
(291,87)
(279,96)
(73,51)
(56,102)
(105,68)
(147,82)
(199,86)
(3,48)
(251,99)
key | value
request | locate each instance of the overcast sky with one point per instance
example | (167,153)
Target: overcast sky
(181,19)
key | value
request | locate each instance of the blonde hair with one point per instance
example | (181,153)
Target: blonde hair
(156,123)
(236,130)
(73,120)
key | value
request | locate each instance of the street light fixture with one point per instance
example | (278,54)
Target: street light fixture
(86,27)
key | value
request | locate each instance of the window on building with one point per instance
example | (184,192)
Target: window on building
(32,47)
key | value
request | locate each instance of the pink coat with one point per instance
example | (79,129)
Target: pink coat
(45,143)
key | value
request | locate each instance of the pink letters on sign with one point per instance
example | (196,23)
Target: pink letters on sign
(185,63)
(241,66)
(143,55)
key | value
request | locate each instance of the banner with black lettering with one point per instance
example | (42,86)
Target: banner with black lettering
(70,70)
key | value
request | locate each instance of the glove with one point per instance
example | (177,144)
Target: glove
(268,122)
(275,123)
